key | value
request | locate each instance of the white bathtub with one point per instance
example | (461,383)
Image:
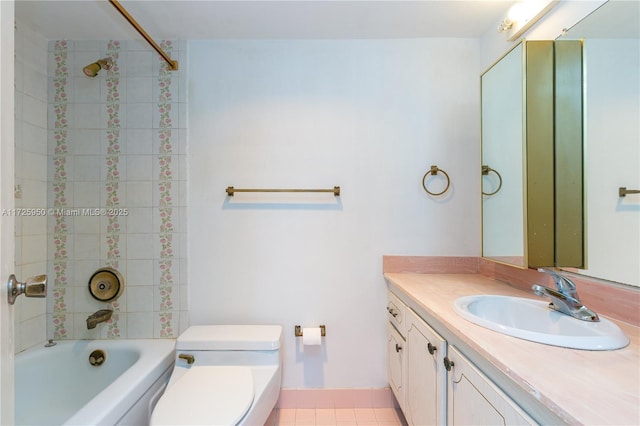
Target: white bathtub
(58,385)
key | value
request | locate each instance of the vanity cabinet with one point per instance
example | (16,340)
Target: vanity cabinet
(396,363)
(396,343)
(473,399)
(434,383)
(425,396)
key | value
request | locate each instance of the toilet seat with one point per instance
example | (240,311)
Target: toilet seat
(206,395)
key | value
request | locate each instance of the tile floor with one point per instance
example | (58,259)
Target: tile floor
(335,417)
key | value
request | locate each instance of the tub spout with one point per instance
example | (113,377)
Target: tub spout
(97,317)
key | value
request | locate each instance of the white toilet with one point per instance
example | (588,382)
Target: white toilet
(224,375)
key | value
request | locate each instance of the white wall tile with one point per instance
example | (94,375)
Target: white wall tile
(139,325)
(139,194)
(85,224)
(34,193)
(88,194)
(139,63)
(138,220)
(139,167)
(34,248)
(85,141)
(86,90)
(35,82)
(86,246)
(34,111)
(88,116)
(86,168)
(140,246)
(34,166)
(140,298)
(35,138)
(139,90)
(139,141)
(139,272)
(139,116)
(32,331)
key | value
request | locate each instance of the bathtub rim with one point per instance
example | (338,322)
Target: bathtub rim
(113,402)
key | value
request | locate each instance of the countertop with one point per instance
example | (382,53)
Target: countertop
(578,386)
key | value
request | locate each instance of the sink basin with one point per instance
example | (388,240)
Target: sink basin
(533,320)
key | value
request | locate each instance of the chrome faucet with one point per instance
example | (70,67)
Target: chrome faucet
(97,317)
(565,299)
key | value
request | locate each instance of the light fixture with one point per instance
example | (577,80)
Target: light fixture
(505,25)
(92,70)
(523,15)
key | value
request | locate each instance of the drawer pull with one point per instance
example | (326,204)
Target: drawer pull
(398,348)
(392,312)
(432,349)
(187,357)
(448,364)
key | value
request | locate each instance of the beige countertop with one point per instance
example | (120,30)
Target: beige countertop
(578,386)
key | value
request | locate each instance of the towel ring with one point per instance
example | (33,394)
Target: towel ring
(485,172)
(434,171)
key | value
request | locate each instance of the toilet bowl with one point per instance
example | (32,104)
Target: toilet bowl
(223,375)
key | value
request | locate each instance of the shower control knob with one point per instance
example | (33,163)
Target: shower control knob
(32,287)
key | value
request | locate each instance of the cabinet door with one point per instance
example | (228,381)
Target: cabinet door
(474,400)
(395,367)
(396,313)
(425,391)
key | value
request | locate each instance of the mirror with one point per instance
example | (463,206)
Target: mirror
(502,185)
(532,203)
(611,39)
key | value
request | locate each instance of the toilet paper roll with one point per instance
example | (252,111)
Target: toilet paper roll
(311,336)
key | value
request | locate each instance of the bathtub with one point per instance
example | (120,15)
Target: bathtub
(58,385)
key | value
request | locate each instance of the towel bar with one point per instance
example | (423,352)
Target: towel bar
(231,190)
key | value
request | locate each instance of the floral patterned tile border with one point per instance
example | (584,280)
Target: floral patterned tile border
(165,182)
(59,186)
(112,178)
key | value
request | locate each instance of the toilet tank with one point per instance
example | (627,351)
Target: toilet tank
(230,338)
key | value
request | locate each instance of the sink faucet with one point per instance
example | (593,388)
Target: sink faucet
(565,299)
(97,317)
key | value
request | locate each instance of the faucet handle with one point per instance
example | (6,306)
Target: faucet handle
(36,286)
(563,284)
(33,287)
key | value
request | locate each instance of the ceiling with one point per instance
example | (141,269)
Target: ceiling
(208,19)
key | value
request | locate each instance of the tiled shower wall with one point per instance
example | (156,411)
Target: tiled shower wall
(30,180)
(117,187)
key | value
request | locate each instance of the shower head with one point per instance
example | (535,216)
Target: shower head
(92,70)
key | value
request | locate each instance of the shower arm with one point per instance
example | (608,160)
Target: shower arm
(173,65)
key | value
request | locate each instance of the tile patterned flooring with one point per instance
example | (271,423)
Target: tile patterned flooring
(335,417)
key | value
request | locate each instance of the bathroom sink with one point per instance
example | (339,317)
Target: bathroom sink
(533,320)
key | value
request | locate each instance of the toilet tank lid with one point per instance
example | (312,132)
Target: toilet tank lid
(230,337)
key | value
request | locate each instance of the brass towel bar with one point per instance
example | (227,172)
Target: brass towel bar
(173,65)
(623,191)
(231,190)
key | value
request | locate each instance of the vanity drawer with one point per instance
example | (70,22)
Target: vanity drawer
(396,312)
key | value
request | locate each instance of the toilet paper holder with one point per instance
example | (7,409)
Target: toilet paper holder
(298,331)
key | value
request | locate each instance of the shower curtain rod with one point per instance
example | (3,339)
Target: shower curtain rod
(173,65)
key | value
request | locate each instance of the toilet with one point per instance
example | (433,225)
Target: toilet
(223,375)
